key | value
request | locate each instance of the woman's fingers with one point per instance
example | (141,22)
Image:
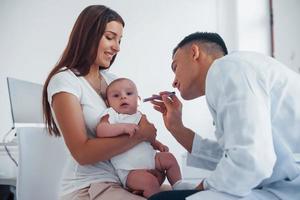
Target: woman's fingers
(144,119)
(166,148)
(146,129)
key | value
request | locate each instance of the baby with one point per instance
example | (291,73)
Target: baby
(133,165)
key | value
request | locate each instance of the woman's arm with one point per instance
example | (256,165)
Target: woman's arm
(70,119)
(105,129)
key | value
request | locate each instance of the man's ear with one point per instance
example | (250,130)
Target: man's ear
(196,51)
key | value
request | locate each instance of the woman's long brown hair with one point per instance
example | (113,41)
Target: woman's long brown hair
(81,51)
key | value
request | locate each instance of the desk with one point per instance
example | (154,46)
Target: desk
(8,181)
(8,169)
(7,191)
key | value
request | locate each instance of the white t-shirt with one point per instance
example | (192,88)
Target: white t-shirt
(141,156)
(78,176)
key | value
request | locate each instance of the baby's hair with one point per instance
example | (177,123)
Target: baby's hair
(118,80)
(213,41)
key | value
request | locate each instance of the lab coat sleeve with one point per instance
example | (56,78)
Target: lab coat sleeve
(243,117)
(205,153)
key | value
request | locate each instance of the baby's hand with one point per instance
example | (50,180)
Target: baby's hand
(130,129)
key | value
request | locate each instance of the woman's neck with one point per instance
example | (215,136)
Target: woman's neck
(97,82)
(94,73)
(94,79)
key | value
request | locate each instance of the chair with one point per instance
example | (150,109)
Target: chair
(41,161)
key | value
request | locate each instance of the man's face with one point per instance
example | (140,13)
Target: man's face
(187,73)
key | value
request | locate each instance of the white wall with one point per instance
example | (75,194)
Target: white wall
(253,26)
(34,33)
(287,32)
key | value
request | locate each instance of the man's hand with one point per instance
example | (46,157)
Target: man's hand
(171,109)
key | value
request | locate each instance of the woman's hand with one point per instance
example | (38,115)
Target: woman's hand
(146,131)
(157,145)
(129,129)
(171,109)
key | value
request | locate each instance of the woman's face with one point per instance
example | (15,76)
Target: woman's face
(109,44)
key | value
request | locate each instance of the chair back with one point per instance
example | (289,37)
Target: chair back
(41,161)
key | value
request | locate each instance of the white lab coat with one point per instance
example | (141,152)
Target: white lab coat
(255,104)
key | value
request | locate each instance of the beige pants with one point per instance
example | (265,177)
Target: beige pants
(102,191)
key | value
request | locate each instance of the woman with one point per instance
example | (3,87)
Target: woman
(73,103)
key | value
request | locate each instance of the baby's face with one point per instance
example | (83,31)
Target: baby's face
(122,96)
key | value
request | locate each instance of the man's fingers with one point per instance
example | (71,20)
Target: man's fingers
(159,109)
(157,103)
(167,101)
(175,99)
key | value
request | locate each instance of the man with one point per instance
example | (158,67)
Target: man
(255,104)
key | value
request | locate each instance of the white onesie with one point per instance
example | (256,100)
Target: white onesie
(141,156)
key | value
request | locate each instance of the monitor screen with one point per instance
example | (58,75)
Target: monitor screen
(26,101)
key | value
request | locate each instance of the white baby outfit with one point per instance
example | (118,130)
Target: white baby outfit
(141,156)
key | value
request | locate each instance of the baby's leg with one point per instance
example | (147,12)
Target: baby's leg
(165,161)
(144,181)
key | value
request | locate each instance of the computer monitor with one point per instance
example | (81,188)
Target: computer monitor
(26,102)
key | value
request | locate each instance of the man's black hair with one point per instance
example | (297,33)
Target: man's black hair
(203,37)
